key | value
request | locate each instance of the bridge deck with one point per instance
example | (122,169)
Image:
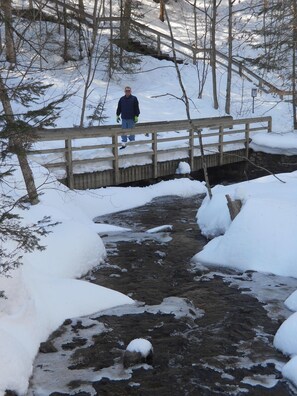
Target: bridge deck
(90,158)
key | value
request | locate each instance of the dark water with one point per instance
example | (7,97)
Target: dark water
(210,334)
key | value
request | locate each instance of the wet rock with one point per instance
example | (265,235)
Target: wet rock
(47,347)
(134,358)
(138,351)
(9,392)
(76,342)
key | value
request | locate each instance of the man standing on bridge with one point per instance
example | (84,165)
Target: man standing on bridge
(128,108)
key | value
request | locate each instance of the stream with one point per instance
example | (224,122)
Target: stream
(211,328)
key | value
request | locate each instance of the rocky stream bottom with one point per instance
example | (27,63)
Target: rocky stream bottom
(211,328)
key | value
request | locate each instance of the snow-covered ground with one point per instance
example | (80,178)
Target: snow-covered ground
(44,291)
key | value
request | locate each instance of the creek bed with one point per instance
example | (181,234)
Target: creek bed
(210,333)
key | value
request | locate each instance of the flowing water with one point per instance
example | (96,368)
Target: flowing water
(211,329)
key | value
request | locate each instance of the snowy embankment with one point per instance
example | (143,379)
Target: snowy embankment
(43,292)
(262,238)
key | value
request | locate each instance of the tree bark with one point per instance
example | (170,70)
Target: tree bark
(125,23)
(294,49)
(18,148)
(10,48)
(66,46)
(213,55)
(230,50)
(81,19)
(162,10)
(92,47)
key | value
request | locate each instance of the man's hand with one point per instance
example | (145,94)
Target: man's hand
(118,119)
(135,119)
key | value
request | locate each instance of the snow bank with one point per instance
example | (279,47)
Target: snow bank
(42,293)
(262,237)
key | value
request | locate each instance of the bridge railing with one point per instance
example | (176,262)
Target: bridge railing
(70,151)
(163,42)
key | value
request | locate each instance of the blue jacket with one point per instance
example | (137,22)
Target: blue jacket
(128,107)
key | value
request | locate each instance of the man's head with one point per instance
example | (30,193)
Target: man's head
(128,91)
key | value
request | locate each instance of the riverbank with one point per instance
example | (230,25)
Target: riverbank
(209,332)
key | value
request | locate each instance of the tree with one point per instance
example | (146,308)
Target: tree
(125,23)
(9,43)
(276,44)
(93,58)
(187,105)
(210,11)
(230,53)
(294,62)
(81,20)
(162,10)
(213,52)
(203,71)
(34,111)
(17,143)
(24,238)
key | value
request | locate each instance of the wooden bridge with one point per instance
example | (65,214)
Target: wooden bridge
(86,158)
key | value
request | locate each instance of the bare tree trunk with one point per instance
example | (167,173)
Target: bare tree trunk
(18,146)
(92,47)
(125,23)
(230,51)
(10,48)
(203,75)
(213,55)
(65,51)
(294,49)
(111,60)
(162,10)
(81,18)
(187,104)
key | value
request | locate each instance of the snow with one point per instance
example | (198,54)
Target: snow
(165,227)
(45,290)
(140,345)
(183,168)
(262,237)
(275,143)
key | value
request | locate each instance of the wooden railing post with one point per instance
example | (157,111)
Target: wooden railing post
(68,163)
(159,44)
(269,125)
(247,139)
(155,154)
(221,146)
(194,56)
(191,148)
(240,69)
(115,152)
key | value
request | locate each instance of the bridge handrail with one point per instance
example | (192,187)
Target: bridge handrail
(242,69)
(111,130)
(214,132)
